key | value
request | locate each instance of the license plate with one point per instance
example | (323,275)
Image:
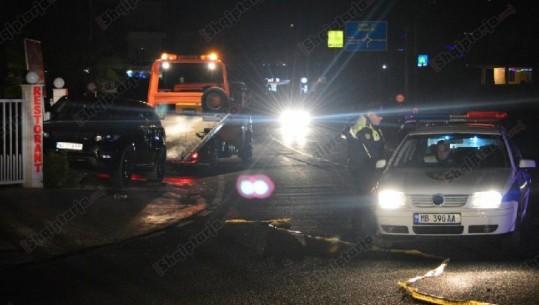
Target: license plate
(433,218)
(69,145)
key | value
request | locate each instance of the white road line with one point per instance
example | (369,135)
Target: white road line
(319,159)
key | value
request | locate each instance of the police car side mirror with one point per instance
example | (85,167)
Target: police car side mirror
(381,163)
(526,163)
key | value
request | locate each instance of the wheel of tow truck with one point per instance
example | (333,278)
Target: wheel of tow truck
(158,171)
(247,155)
(121,177)
(246,152)
(214,157)
(214,100)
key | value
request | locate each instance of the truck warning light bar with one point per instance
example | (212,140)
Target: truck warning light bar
(210,56)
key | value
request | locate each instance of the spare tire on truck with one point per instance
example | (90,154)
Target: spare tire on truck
(214,100)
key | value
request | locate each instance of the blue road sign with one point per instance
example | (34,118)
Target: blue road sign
(422,60)
(366,36)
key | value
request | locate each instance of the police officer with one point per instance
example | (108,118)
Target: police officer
(365,146)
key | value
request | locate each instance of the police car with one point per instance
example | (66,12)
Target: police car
(479,187)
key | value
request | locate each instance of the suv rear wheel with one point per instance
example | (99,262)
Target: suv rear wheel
(122,175)
(158,171)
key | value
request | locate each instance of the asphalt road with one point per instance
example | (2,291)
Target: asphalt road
(207,261)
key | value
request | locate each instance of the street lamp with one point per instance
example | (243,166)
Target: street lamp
(32,77)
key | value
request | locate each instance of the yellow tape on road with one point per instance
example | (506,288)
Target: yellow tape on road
(414,293)
(322,246)
(421,296)
(279,222)
(406,285)
(409,252)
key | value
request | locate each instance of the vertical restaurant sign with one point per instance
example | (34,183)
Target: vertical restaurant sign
(34,58)
(37,129)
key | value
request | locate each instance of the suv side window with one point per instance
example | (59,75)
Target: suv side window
(149,115)
(133,115)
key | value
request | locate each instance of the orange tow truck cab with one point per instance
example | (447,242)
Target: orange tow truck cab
(190,84)
(200,109)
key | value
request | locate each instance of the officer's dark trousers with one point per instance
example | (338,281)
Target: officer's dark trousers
(363,179)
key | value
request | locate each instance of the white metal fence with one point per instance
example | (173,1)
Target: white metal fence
(11,144)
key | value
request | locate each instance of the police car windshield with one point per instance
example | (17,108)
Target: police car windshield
(452,150)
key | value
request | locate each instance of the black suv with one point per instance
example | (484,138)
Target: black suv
(113,136)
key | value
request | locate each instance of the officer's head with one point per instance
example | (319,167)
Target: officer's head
(374,113)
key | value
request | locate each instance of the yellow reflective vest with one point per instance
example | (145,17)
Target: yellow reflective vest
(372,135)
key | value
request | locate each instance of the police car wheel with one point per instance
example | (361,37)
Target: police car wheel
(516,243)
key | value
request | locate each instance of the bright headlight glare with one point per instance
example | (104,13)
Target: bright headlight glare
(486,200)
(295,119)
(390,200)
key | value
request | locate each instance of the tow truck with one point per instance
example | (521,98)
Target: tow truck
(201,110)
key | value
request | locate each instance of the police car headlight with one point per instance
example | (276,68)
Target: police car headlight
(486,200)
(390,199)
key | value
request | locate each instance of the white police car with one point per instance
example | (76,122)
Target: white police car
(479,187)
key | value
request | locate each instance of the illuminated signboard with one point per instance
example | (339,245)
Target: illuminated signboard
(335,39)
(366,36)
(33,135)
(422,60)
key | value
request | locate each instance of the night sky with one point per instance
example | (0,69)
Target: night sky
(273,30)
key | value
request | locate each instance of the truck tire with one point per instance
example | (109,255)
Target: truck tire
(121,176)
(214,100)
(213,154)
(246,152)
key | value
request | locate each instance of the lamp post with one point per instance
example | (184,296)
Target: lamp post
(59,90)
